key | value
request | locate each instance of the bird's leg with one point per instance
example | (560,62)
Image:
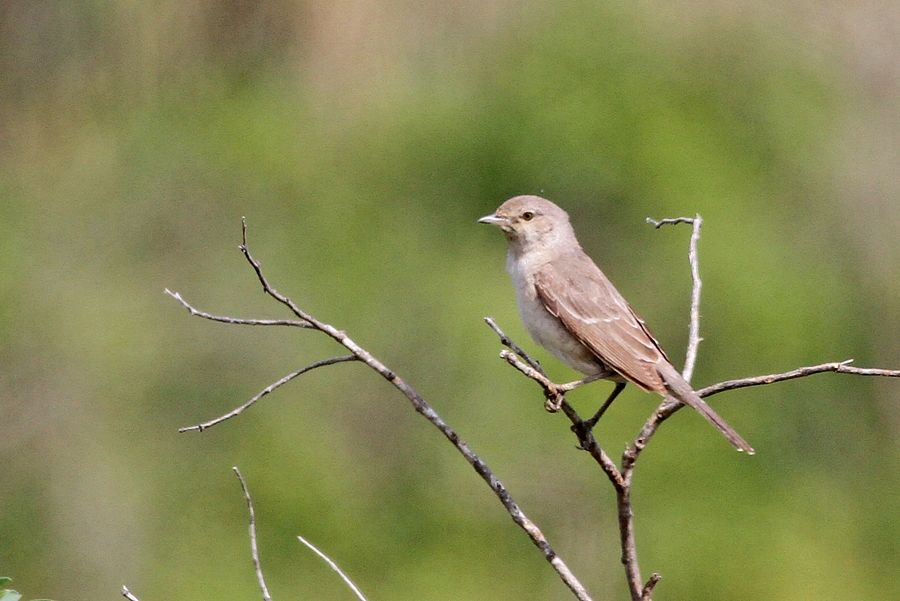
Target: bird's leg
(586,380)
(555,393)
(590,423)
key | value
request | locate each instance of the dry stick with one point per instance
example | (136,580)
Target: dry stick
(641,591)
(423,408)
(518,350)
(690,358)
(840,367)
(274,385)
(669,221)
(334,567)
(128,594)
(236,320)
(671,406)
(254,550)
(651,584)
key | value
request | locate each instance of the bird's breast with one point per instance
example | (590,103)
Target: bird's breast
(546,329)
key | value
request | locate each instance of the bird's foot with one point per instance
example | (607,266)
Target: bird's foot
(555,396)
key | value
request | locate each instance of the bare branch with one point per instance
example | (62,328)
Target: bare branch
(507,342)
(669,221)
(627,537)
(128,594)
(670,406)
(254,551)
(840,367)
(236,320)
(690,358)
(423,408)
(554,393)
(334,567)
(238,410)
(651,584)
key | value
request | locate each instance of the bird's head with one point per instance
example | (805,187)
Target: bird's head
(531,222)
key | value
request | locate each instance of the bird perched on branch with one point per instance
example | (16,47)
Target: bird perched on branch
(572,309)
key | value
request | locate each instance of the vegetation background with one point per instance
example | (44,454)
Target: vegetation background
(362,140)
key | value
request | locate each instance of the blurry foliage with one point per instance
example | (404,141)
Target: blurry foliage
(362,140)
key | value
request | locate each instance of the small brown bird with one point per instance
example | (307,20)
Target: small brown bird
(570,308)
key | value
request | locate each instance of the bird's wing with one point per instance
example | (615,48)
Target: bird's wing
(593,311)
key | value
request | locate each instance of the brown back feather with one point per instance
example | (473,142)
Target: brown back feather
(593,311)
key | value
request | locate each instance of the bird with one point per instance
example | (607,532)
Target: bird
(571,308)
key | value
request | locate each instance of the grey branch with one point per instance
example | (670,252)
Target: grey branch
(670,406)
(419,405)
(254,550)
(235,320)
(507,342)
(839,367)
(639,590)
(668,221)
(334,567)
(274,385)
(128,594)
(651,584)
(690,358)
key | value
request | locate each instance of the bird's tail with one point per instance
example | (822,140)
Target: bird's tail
(681,390)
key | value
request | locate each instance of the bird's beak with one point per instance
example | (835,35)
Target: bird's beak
(494,220)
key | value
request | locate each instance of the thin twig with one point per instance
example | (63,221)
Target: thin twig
(651,584)
(840,367)
(128,594)
(555,393)
(507,342)
(690,358)
(254,551)
(668,221)
(334,567)
(625,512)
(238,410)
(235,320)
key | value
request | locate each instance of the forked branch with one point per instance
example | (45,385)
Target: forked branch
(358,353)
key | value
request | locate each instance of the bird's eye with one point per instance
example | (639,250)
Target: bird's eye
(527,215)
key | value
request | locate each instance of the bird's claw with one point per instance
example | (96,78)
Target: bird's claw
(555,398)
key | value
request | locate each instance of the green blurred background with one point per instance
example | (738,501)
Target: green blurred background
(362,140)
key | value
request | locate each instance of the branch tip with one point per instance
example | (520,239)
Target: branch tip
(651,584)
(334,567)
(268,389)
(254,550)
(128,594)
